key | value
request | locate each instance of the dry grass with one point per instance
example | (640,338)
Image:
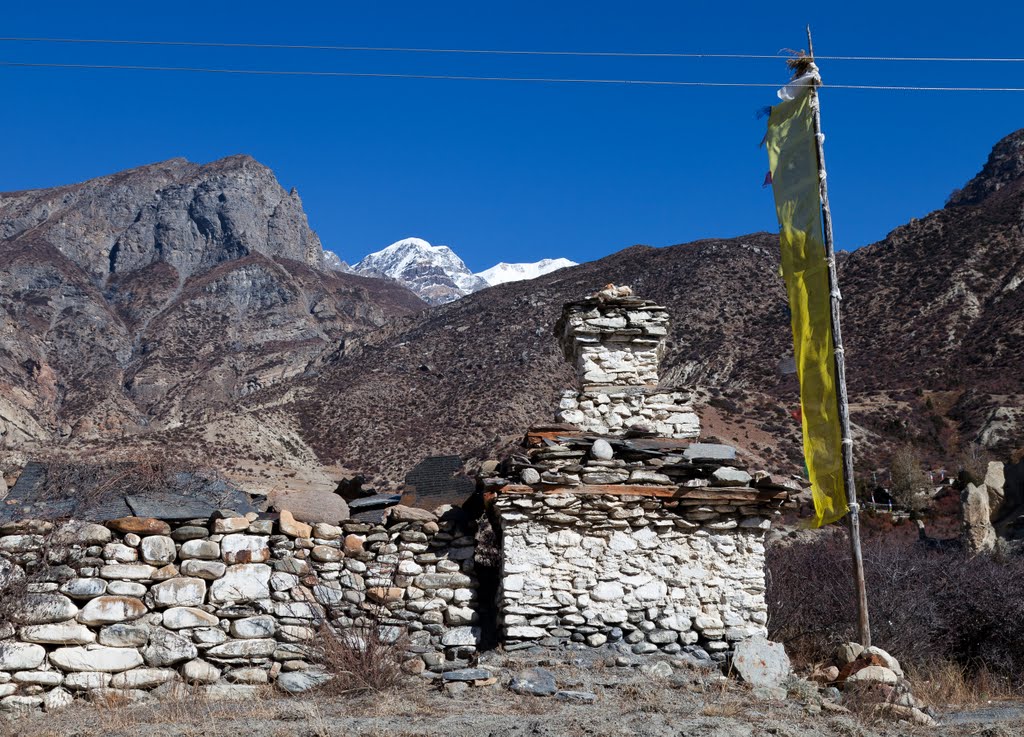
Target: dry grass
(945,684)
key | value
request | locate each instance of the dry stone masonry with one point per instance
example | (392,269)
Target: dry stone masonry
(616,342)
(222,605)
(630,534)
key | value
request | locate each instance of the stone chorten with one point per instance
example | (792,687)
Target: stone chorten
(618,529)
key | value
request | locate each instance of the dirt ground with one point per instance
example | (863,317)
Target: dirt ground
(627,704)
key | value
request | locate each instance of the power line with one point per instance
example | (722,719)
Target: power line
(474,78)
(500,52)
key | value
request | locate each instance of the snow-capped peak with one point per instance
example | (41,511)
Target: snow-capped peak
(438,275)
(503,272)
(435,273)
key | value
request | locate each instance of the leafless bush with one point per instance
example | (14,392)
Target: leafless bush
(360,659)
(910,484)
(926,607)
(973,464)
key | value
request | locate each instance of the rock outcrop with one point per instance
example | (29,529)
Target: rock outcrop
(978,534)
(141,299)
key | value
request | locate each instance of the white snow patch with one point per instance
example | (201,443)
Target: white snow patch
(503,273)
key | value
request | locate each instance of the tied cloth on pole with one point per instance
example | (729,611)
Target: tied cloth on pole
(793,161)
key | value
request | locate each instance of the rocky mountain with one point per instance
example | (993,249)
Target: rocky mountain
(434,273)
(332,261)
(151,297)
(503,273)
(268,366)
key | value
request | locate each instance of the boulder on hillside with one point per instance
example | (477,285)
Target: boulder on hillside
(977,532)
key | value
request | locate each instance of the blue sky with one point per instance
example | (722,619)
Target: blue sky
(515,171)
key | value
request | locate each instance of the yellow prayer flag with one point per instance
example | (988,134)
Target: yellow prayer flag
(793,158)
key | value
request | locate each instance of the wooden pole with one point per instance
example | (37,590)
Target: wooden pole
(863,623)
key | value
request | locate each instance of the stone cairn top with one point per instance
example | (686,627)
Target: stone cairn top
(614,339)
(611,440)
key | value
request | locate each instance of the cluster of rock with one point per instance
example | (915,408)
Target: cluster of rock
(643,539)
(616,342)
(222,605)
(875,678)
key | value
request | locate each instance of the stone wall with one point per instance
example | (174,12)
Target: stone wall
(646,571)
(225,604)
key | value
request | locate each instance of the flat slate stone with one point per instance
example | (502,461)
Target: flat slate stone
(535,681)
(467,674)
(709,452)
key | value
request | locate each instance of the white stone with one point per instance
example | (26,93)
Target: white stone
(143,678)
(607,591)
(167,648)
(158,550)
(621,543)
(460,636)
(653,591)
(525,632)
(63,633)
(177,592)
(234,649)
(20,703)
(126,588)
(57,699)
(199,671)
(120,553)
(96,658)
(303,680)
(244,549)
(84,588)
(177,618)
(42,609)
(602,450)
(241,583)
(81,533)
(20,656)
(124,635)
(208,570)
(199,549)
(86,681)
(253,627)
(48,678)
(280,581)
(133,572)
(874,674)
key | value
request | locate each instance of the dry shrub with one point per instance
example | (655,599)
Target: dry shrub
(360,659)
(927,607)
(944,683)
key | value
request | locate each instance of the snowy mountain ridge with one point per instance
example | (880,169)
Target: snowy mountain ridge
(504,272)
(436,273)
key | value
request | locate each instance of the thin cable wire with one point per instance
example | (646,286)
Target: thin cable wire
(473,78)
(504,52)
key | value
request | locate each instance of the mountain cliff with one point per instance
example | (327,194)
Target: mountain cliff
(146,298)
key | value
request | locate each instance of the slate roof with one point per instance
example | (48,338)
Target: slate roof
(187,496)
